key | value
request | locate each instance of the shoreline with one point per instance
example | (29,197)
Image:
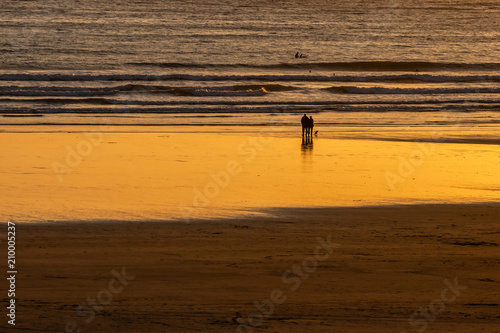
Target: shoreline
(451,133)
(390,261)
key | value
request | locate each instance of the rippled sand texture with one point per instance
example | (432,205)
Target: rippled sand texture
(374,271)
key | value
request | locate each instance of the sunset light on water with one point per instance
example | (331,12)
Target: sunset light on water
(250,166)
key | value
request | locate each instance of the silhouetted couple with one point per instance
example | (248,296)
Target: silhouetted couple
(307,125)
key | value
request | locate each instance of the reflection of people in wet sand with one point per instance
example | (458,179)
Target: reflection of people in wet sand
(307,142)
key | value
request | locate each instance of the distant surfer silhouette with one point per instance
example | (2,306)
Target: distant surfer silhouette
(300,55)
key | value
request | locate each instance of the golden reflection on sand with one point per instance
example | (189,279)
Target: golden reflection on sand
(58,176)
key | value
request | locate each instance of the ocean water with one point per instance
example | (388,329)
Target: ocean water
(232,62)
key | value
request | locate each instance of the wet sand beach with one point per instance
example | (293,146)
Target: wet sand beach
(171,175)
(230,232)
(153,175)
(365,269)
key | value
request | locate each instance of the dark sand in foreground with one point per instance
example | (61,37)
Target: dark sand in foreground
(390,262)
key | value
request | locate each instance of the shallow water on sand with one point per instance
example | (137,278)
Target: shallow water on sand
(72,176)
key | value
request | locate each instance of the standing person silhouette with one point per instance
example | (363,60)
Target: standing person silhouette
(304,121)
(311,125)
